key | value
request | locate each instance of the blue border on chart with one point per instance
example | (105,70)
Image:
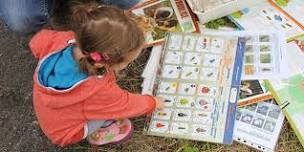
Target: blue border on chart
(236,81)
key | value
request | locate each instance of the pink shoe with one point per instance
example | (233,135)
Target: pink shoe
(116,133)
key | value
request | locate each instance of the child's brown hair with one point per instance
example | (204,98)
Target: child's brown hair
(104,30)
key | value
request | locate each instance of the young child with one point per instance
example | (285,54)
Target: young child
(75,91)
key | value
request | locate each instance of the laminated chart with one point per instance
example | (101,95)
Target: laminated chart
(265,56)
(259,121)
(199,77)
(259,125)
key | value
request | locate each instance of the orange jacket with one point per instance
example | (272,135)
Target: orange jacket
(62,114)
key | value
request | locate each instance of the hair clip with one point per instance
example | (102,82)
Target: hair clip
(96,56)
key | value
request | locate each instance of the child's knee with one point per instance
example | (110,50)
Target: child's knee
(25,17)
(23,24)
(17,26)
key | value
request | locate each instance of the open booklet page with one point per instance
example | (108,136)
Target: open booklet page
(157,17)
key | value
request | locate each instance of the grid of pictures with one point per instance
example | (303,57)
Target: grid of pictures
(259,125)
(265,54)
(259,55)
(196,79)
(257,114)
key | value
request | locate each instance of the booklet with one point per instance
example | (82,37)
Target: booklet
(265,16)
(259,125)
(157,17)
(199,77)
(289,92)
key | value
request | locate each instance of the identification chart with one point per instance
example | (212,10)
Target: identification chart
(259,125)
(199,77)
(265,56)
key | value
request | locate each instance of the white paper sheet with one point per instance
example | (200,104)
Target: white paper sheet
(265,56)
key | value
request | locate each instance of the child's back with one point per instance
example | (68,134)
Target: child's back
(74,83)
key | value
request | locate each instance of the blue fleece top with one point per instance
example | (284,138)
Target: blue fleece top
(60,70)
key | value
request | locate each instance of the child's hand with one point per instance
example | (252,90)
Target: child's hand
(160,103)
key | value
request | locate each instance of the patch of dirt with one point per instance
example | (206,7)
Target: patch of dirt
(19,128)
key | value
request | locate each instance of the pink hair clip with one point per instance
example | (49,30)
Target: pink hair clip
(97,57)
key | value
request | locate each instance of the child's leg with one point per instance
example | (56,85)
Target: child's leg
(123,4)
(25,16)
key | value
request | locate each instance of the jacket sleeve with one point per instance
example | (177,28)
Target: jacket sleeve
(117,103)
